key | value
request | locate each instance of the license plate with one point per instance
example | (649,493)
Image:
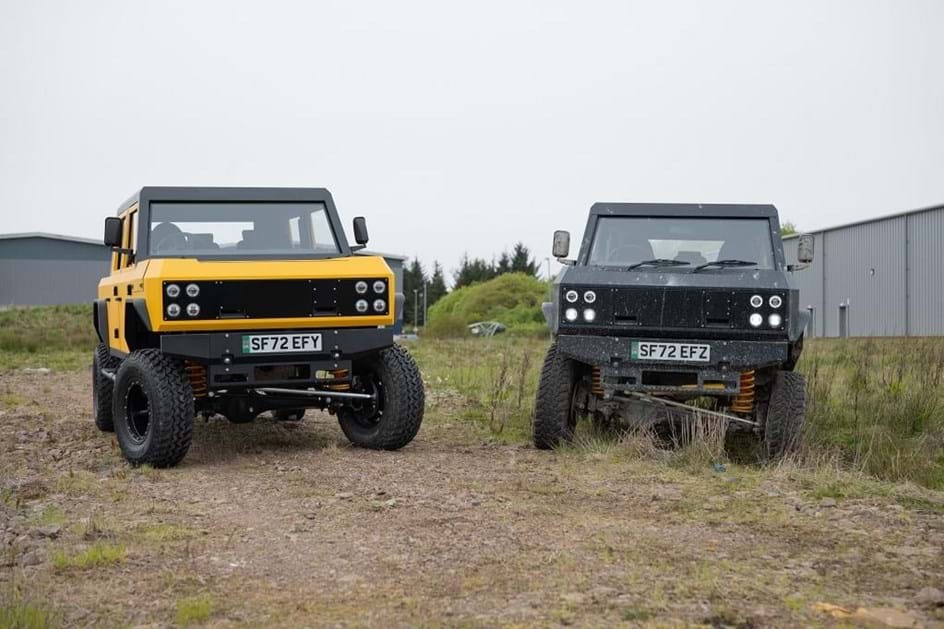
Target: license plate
(646,350)
(281,343)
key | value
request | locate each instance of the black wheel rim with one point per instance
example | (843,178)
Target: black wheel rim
(368,413)
(137,413)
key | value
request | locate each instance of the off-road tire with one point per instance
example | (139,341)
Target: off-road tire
(404,399)
(786,414)
(288,414)
(102,388)
(149,379)
(554,420)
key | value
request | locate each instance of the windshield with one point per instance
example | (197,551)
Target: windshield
(241,229)
(624,241)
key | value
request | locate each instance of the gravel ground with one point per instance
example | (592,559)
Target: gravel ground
(286,524)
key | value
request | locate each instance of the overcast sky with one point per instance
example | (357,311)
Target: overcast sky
(467,126)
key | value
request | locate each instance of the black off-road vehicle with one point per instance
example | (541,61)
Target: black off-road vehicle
(666,304)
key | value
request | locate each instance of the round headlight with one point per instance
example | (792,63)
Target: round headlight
(361,287)
(757,301)
(775,320)
(173,291)
(589,315)
(775,301)
(361,305)
(173,310)
(570,314)
(380,287)
(571,296)
(756,320)
(192,290)
(379,305)
(193,309)
(589,297)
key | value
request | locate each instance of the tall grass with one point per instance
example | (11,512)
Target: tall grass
(874,406)
(490,381)
(878,406)
(47,328)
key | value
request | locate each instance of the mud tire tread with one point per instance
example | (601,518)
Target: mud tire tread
(404,404)
(103,388)
(552,413)
(170,397)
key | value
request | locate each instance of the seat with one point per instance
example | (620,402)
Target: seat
(692,257)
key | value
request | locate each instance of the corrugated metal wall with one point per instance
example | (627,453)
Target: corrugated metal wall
(39,271)
(926,273)
(887,274)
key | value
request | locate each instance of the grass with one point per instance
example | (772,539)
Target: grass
(875,407)
(41,329)
(95,556)
(490,381)
(23,614)
(194,609)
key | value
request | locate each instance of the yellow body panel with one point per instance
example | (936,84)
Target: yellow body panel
(179,269)
(147,278)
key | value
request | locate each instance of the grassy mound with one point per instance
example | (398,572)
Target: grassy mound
(513,299)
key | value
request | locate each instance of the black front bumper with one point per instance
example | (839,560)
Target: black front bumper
(718,376)
(228,365)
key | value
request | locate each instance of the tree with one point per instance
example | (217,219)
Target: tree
(521,261)
(437,284)
(414,278)
(787,228)
(472,270)
(504,264)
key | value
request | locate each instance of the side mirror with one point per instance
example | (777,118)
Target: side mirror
(112,231)
(360,230)
(561,246)
(805,244)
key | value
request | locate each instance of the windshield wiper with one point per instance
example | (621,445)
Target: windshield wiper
(657,262)
(723,264)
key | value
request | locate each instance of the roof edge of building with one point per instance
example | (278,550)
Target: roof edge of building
(866,221)
(78,239)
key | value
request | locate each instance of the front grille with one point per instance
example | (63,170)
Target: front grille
(276,299)
(671,308)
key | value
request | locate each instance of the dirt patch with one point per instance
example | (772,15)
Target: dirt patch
(285,524)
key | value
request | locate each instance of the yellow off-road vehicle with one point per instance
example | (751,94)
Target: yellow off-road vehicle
(238,301)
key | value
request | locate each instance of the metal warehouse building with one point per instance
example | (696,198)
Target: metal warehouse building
(881,277)
(38,269)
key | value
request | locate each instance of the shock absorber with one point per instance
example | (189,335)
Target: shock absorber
(744,401)
(596,382)
(198,378)
(340,380)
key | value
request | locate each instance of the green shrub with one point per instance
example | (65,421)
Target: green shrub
(513,299)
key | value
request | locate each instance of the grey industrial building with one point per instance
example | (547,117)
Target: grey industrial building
(44,269)
(881,277)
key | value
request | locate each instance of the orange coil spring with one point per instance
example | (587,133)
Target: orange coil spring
(596,382)
(340,374)
(198,378)
(744,400)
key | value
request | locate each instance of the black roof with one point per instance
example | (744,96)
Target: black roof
(175,193)
(723,210)
(145,196)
